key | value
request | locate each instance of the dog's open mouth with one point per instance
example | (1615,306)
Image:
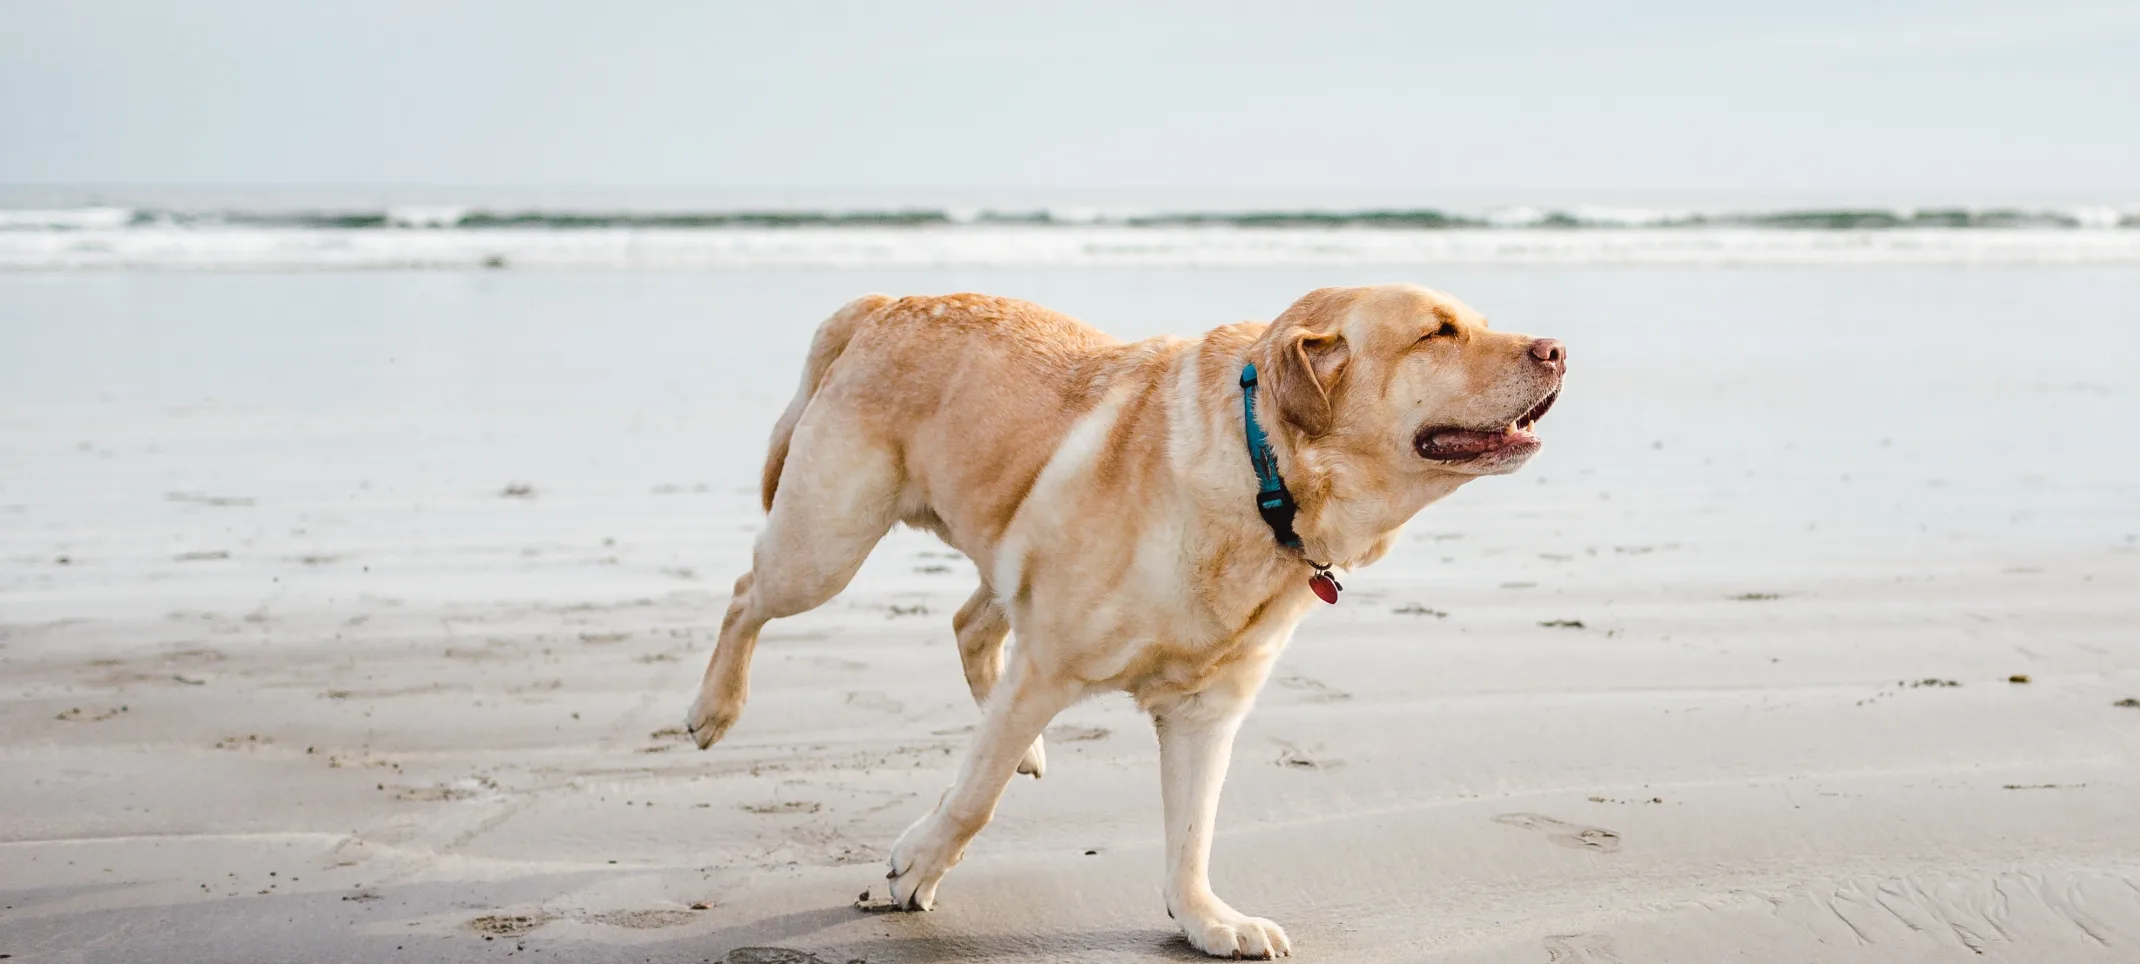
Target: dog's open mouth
(1463,444)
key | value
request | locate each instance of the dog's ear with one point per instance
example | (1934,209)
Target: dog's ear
(1308,359)
(1309,365)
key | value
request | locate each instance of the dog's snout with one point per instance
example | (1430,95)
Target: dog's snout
(1551,353)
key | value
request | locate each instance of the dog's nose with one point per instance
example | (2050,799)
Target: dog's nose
(1551,352)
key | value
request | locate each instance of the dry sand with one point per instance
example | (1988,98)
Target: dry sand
(379,652)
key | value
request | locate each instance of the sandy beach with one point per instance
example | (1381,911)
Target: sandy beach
(353,616)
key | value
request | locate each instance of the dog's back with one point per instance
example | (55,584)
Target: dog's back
(968,394)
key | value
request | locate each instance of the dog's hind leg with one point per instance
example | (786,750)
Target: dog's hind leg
(982,626)
(839,494)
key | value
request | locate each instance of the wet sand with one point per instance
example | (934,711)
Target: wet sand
(352,617)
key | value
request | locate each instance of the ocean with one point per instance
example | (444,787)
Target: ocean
(298,229)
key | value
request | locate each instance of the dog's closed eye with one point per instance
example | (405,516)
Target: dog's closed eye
(1447,330)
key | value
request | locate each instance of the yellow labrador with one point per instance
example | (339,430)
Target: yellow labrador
(1151,517)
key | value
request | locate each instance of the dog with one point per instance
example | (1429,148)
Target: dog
(1151,517)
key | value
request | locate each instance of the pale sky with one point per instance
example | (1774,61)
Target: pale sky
(1642,95)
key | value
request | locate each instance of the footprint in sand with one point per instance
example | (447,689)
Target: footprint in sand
(1581,949)
(876,701)
(78,715)
(642,919)
(201,498)
(1296,758)
(508,925)
(1572,836)
(786,806)
(769,955)
(1316,690)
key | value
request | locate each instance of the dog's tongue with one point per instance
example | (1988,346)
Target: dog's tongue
(1458,443)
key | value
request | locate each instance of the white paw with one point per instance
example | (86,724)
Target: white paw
(709,719)
(1222,932)
(919,860)
(1035,762)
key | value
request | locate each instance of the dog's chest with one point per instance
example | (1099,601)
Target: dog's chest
(1184,644)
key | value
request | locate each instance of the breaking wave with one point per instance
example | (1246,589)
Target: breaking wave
(448,236)
(476,219)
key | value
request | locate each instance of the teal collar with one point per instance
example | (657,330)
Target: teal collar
(1274,502)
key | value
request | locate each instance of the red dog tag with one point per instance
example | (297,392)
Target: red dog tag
(1326,588)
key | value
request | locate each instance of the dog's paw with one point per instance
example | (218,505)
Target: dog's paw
(709,718)
(1222,932)
(919,860)
(1035,762)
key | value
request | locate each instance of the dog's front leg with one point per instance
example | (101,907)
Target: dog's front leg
(1195,743)
(1019,707)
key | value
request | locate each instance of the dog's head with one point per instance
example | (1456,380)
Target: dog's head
(1409,381)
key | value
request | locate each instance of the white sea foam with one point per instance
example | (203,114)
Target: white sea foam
(1628,217)
(320,248)
(2097,217)
(1079,214)
(425,215)
(1520,216)
(65,219)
